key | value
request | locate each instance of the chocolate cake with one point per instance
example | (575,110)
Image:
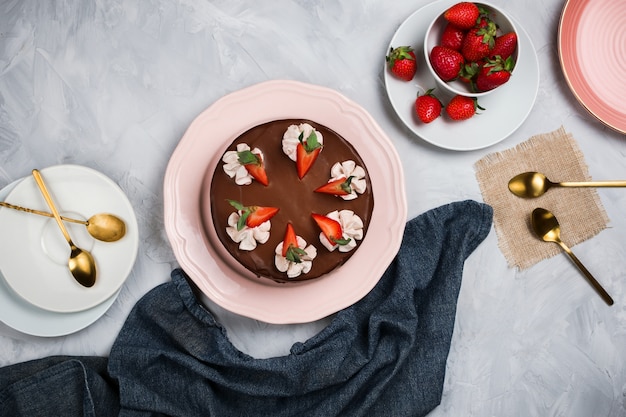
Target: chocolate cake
(294,197)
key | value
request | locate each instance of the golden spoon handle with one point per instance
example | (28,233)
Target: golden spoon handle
(41,213)
(53,208)
(594,283)
(592,184)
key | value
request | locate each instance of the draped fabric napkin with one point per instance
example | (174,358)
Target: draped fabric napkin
(579,210)
(383,356)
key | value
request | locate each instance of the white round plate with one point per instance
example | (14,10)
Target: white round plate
(505,109)
(206,261)
(26,318)
(34,254)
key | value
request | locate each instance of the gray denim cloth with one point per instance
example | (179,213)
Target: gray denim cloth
(58,386)
(383,356)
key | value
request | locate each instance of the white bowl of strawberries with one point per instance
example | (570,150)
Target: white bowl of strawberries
(471,49)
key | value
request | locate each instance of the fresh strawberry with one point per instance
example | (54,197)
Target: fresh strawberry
(462,107)
(402,62)
(494,73)
(484,19)
(330,228)
(291,250)
(446,62)
(504,45)
(427,106)
(452,37)
(469,72)
(462,15)
(306,153)
(254,165)
(479,42)
(252,216)
(339,186)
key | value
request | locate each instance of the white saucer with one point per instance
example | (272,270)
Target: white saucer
(26,318)
(34,254)
(505,109)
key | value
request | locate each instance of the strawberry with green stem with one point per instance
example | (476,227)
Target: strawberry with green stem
(452,37)
(504,45)
(462,15)
(479,42)
(427,106)
(446,62)
(331,229)
(291,251)
(494,73)
(338,187)
(254,165)
(252,216)
(462,107)
(402,62)
(469,72)
(306,153)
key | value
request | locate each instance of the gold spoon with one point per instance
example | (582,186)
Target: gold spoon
(546,226)
(103,226)
(81,263)
(535,184)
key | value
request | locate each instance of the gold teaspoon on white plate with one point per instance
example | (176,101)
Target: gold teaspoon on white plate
(81,263)
(102,226)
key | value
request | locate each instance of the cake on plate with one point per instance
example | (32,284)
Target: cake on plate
(290,200)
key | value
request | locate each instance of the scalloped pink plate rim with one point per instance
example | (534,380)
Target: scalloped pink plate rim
(207,263)
(580,54)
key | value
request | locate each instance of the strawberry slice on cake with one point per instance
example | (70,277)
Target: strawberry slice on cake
(292,255)
(302,144)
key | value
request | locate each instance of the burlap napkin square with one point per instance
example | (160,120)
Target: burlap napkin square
(578,210)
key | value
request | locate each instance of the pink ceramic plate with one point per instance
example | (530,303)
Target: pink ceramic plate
(204,259)
(592,48)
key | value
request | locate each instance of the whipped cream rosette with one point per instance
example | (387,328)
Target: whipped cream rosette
(295,269)
(351,227)
(349,169)
(234,168)
(247,237)
(291,138)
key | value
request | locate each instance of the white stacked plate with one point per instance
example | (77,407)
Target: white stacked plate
(505,109)
(38,294)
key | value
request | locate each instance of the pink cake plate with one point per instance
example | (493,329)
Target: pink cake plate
(197,248)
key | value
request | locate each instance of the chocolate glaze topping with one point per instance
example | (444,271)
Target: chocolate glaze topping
(295,198)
